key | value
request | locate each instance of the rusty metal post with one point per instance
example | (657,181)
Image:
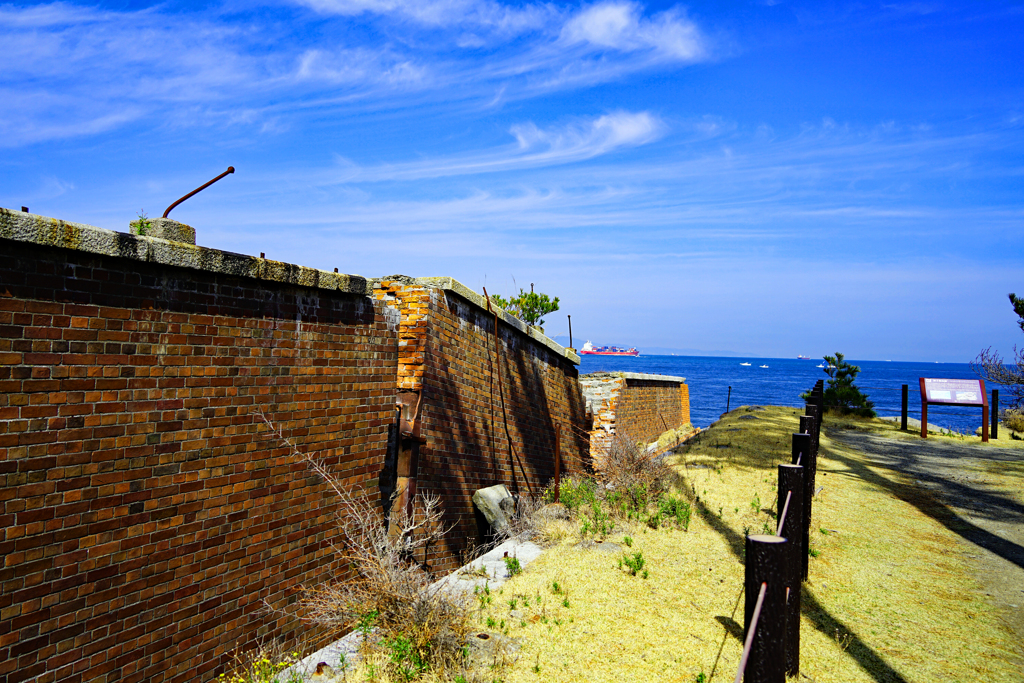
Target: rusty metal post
(765,564)
(995,413)
(558,461)
(924,410)
(792,527)
(903,412)
(570,331)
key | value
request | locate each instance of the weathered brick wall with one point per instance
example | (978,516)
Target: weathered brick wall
(640,407)
(146,516)
(447,352)
(646,409)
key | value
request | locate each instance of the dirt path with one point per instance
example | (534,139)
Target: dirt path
(977,491)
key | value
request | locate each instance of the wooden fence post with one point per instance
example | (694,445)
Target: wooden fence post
(765,563)
(802,444)
(903,412)
(792,527)
(995,413)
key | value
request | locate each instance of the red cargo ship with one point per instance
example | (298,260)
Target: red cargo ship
(590,349)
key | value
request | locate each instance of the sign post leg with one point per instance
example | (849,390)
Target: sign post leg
(984,424)
(924,419)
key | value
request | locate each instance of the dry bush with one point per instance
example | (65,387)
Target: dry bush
(1013,419)
(633,471)
(535,519)
(420,627)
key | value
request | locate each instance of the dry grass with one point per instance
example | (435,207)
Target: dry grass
(890,597)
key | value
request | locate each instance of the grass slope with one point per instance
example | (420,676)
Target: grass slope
(890,595)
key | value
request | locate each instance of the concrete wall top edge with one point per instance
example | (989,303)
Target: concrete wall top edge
(52,232)
(636,376)
(450,284)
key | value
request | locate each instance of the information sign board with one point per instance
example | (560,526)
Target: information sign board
(953,392)
(957,392)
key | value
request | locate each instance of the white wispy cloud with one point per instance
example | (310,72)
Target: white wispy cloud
(622,26)
(79,71)
(534,147)
(480,14)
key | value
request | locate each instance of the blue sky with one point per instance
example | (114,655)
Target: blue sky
(766,177)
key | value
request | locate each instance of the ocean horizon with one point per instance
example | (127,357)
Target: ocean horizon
(709,379)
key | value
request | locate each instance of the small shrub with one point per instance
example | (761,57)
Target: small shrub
(574,493)
(142,225)
(407,661)
(628,540)
(634,562)
(512,566)
(677,510)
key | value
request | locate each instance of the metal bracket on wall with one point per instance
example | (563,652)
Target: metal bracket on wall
(409,403)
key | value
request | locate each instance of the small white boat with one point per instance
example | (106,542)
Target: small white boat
(745,364)
(764,366)
(820,365)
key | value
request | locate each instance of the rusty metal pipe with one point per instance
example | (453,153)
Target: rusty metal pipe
(231,169)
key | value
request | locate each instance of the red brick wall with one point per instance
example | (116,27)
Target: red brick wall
(645,409)
(447,351)
(146,517)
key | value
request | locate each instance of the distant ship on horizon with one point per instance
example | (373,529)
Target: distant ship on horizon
(803,357)
(590,349)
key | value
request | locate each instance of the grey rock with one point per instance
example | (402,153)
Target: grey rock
(552,511)
(490,502)
(603,546)
(485,650)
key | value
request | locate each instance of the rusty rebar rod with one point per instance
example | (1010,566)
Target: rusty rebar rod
(504,413)
(231,169)
(782,517)
(750,632)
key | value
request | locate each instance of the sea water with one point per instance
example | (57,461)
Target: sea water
(782,382)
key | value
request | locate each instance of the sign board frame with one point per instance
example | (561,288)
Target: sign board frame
(952,401)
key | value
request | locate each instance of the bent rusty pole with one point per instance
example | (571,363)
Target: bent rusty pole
(504,413)
(231,169)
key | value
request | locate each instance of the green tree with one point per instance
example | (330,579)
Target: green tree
(990,367)
(841,395)
(529,307)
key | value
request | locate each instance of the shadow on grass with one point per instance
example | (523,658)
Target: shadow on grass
(870,661)
(927,501)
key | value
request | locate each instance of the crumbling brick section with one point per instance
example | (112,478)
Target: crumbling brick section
(471,388)
(640,407)
(147,517)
